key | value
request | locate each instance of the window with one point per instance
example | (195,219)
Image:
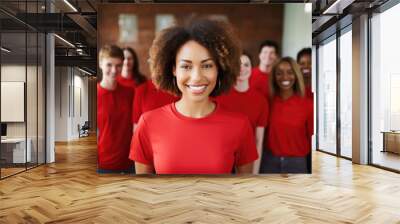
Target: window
(385,89)
(346,94)
(327,96)
(22,77)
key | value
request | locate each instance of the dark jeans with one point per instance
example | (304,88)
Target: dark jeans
(277,164)
(309,162)
(127,171)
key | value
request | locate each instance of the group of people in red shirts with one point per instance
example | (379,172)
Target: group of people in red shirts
(206,109)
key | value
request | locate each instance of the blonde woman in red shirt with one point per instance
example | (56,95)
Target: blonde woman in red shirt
(288,139)
(194,135)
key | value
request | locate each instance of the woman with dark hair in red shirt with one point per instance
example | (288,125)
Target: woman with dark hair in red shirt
(194,135)
(288,139)
(243,99)
(130,75)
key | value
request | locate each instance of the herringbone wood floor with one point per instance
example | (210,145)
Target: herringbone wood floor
(70,191)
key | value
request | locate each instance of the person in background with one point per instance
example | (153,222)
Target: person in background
(288,139)
(268,54)
(131,75)
(304,58)
(194,135)
(304,61)
(149,97)
(114,106)
(241,98)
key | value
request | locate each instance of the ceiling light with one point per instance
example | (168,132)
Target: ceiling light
(70,5)
(65,41)
(338,6)
(84,71)
(5,49)
(333,6)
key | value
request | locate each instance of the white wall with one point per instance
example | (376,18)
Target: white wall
(71,93)
(80,96)
(13,72)
(296,29)
(61,103)
(82,83)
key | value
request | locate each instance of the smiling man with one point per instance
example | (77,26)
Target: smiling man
(114,106)
(268,55)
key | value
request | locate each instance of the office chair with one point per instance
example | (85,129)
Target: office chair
(84,130)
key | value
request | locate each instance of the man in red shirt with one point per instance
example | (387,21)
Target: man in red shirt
(268,55)
(114,112)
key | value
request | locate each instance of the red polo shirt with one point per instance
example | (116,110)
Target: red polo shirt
(176,144)
(250,103)
(260,81)
(290,126)
(148,97)
(114,112)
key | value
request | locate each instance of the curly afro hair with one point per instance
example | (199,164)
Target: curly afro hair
(216,36)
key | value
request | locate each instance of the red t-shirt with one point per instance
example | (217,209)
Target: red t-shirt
(126,82)
(250,103)
(176,144)
(114,112)
(309,93)
(148,97)
(260,82)
(290,126)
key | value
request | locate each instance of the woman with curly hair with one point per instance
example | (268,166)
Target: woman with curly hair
(194,135)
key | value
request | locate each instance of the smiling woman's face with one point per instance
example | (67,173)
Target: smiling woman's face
(195,71)
(245,68)
(305,65)
(128,60)
(285,77)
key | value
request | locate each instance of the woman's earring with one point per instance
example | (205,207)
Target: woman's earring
(174,81)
